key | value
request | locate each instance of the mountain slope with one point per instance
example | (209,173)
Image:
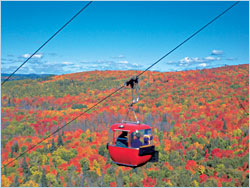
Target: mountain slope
(199,118)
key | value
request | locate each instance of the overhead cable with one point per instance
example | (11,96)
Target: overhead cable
(195,33)
(46,42)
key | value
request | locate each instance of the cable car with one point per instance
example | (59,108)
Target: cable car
(131,143)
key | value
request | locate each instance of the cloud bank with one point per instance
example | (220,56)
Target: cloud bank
(217,52)
(43,64)
(186,61)
(38,56)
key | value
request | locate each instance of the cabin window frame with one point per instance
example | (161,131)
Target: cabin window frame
(116,133)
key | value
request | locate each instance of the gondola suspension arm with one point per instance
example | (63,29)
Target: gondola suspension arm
(134,85)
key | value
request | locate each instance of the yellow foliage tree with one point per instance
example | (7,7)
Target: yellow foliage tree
(30,183)
(36,175)
(51,179)
(201,169)
(96,167)
(98,172)
(87,132)
(195,183)
(5,181)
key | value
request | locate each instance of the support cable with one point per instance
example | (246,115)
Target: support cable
(124,85)
(46,42)
(198,31)
(64,125)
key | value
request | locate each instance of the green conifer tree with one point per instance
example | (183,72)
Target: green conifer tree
(101,150)
(45,149)
(16,147)
(15,183)
(9,102)
(44,180)
(5,170)
(60,141)
(53,147)
(11,152)
(224,124)
(58,178)
(26,170)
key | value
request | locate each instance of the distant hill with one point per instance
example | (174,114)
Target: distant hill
(24,76)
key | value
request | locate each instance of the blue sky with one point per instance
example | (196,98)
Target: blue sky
(122,36)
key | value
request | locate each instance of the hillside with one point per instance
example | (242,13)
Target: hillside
(200,120)
(24,76)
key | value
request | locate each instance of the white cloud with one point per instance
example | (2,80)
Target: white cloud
(217,52)
(193,60)
(202,65)
(94,65)
(210,58)
(190,60)
(38,56)
(186,60)
(187,63)
(123,62)
(67,63)
(77,66)
(26,55)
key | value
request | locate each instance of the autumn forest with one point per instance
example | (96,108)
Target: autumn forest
(199,118)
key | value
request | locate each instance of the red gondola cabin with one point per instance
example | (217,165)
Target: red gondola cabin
(131,144)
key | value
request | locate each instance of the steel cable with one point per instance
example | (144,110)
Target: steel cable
(46,42)
(124,85)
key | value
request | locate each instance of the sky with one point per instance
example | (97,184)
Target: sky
(122,36)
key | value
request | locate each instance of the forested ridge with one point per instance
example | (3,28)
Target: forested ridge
(200,121)
(23,76)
